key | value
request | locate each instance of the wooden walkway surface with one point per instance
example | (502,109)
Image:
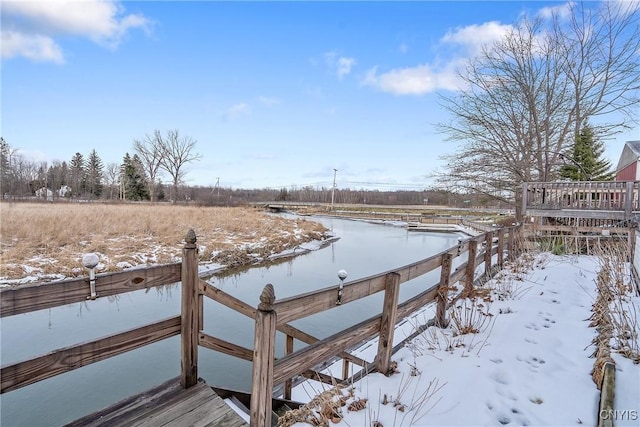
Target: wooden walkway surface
(167,405)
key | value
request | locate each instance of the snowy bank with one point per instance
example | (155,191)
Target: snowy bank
(529,363)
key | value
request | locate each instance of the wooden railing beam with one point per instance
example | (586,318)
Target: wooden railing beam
(67,359)
(31,297)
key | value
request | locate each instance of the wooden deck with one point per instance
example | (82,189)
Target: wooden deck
(167,405)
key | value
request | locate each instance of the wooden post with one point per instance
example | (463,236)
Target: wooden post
(501,247)
(263,359)
(511,243)
(200,312)
(190,318)
(345,369)
(488,243)
(443,291)
(524,201)
(388,323)
(471,267)
(628,203)
(288,349)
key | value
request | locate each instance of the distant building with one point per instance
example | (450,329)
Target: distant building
(44,193)
(627,169)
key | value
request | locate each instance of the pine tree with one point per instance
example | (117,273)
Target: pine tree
(5,167)
(94,174)
(586,159)
(77,174)
(132,179)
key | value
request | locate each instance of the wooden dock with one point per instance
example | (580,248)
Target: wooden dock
(167,405)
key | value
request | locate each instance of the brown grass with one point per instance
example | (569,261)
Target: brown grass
(49,239)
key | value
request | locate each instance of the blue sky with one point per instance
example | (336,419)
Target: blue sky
(275,93)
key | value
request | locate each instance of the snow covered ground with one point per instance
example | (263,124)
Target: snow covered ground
(529,364)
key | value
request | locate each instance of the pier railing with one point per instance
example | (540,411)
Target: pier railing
(270,315)
(605,199)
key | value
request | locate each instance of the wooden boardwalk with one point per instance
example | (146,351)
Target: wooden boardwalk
(167,405)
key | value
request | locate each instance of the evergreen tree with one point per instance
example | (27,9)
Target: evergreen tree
(5,167)
(587,163)
(77,174)
(94,174)
(133,182)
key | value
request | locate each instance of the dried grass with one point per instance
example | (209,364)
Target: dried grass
(615,315)
(51,238)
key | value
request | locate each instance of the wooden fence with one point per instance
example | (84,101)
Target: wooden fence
(611,199)
(270,315)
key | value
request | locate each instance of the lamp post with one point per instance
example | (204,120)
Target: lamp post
(333,190)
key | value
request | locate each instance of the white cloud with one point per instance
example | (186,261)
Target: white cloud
(418,80)
(34,47)
(268,101)
(39,22)
(562,11)
(341,65)
(236,110)
(344,66)
(473,37)
(461,44)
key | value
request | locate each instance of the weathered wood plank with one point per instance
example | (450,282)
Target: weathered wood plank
(217,344)
(443,291)
(470,268)
(320,377)
(488,252)
(189,312)
(263,360)
(244,308)
(294,308)
(582,229)
(501,246)
(67,359)
(39,296)
(288,349)
(227,300)
(313,302)
(121,413)
(308,357)
(577,213)
(166,405)
(417,269)
(420,300)
(388,323)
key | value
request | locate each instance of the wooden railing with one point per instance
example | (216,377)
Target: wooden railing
(619,198)
(270,316)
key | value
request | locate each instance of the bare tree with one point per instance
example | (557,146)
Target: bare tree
(601,49)
(112,174)
(150,151)
(525,97)
(176,151)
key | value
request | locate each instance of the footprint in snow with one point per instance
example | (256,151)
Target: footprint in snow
(533,326)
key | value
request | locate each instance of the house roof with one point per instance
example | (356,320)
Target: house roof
(630,154)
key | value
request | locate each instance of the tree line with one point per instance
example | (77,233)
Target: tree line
(87,177)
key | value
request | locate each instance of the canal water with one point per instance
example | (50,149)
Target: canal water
(363,249)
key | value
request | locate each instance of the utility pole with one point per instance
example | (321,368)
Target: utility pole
(333,190)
